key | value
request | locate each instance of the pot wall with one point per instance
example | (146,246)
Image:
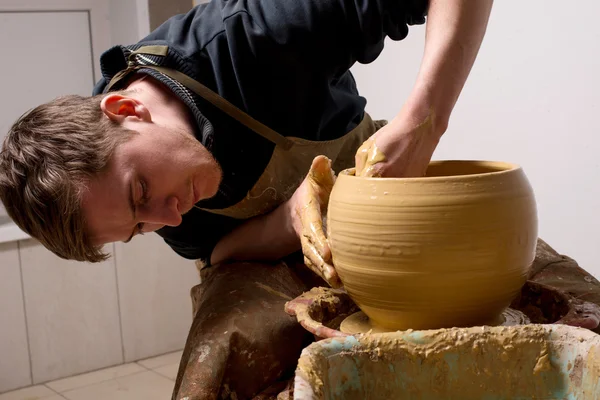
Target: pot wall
(439,251)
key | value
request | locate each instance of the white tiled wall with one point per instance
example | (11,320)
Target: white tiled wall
(72,313)
(14,356)
(60,318)
(154,287)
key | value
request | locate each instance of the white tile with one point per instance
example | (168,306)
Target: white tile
(169,371)
(154,288)
(30,393)
(72,314)
(143,386)
(90,378)
(159,361)
(15,371)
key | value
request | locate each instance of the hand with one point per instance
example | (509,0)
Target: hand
(307,208)
(583,314)
(403,148)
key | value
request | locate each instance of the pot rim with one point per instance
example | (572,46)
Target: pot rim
(500,168)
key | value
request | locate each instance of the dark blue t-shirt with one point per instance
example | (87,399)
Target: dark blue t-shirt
(284,62)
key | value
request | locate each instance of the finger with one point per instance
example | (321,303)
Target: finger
(360,159)
(321,180)
(375,159)
(321,176)
(312,228)
(328,273)
(317,264)
(309,263)
(585,322)
(331,276)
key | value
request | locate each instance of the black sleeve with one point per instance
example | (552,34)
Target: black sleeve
(197,235)
(336,33)
(333,34)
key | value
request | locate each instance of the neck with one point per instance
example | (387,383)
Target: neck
(165,107)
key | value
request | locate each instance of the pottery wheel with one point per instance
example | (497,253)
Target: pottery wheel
(360,323)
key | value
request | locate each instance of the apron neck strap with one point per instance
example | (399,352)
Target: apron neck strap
(203,92)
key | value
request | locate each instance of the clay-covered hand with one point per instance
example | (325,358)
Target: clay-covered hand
(402,148)
(308,207)
(583,314)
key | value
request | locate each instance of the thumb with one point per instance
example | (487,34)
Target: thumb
(360,159)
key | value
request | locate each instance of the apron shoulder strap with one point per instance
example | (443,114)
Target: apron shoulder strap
(206,94)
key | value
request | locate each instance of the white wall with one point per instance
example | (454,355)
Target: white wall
(532,98)
(124,28)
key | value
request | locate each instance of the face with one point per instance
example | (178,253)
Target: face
(151,181)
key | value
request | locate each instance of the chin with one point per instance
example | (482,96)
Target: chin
(214,192)
(213,189)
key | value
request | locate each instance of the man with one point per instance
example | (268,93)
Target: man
(173,153)
(222,131)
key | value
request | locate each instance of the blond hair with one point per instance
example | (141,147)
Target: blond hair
(48,156)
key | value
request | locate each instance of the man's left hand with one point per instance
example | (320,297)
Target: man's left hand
(307,209)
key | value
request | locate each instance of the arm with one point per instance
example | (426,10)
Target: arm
(266,237)
(329,36)
(455,31)
(294,225)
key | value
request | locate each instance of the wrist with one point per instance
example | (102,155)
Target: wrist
(291,224)
(424,105)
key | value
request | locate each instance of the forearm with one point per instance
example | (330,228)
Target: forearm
(455,31)
(266,237)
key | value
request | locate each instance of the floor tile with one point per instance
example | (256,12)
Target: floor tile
(161,361)
(30,393)
(146,385)
(169,371)
(102,375)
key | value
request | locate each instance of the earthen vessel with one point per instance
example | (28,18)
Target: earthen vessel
(450,249)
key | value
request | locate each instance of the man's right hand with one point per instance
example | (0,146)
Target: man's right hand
(307,207)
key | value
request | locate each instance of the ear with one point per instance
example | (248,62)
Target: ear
(118,107)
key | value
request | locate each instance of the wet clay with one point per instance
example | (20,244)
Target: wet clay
(360,323)
(368,155)
(314,198)
(519,362)
(451,249)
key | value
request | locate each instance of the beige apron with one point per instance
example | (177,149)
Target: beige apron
(291,158)
(287,169)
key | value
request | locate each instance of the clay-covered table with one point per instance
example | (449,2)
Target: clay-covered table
(322,310)
(558,291)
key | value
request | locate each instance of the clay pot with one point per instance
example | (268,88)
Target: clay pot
(451,249)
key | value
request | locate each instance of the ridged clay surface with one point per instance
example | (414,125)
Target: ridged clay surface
(450,249)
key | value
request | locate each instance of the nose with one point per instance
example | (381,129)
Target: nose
(157,214)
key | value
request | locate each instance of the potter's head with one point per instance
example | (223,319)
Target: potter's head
(79,172)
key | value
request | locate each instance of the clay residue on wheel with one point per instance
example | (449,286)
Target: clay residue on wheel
(542,304)
(468,363)
(330,307)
